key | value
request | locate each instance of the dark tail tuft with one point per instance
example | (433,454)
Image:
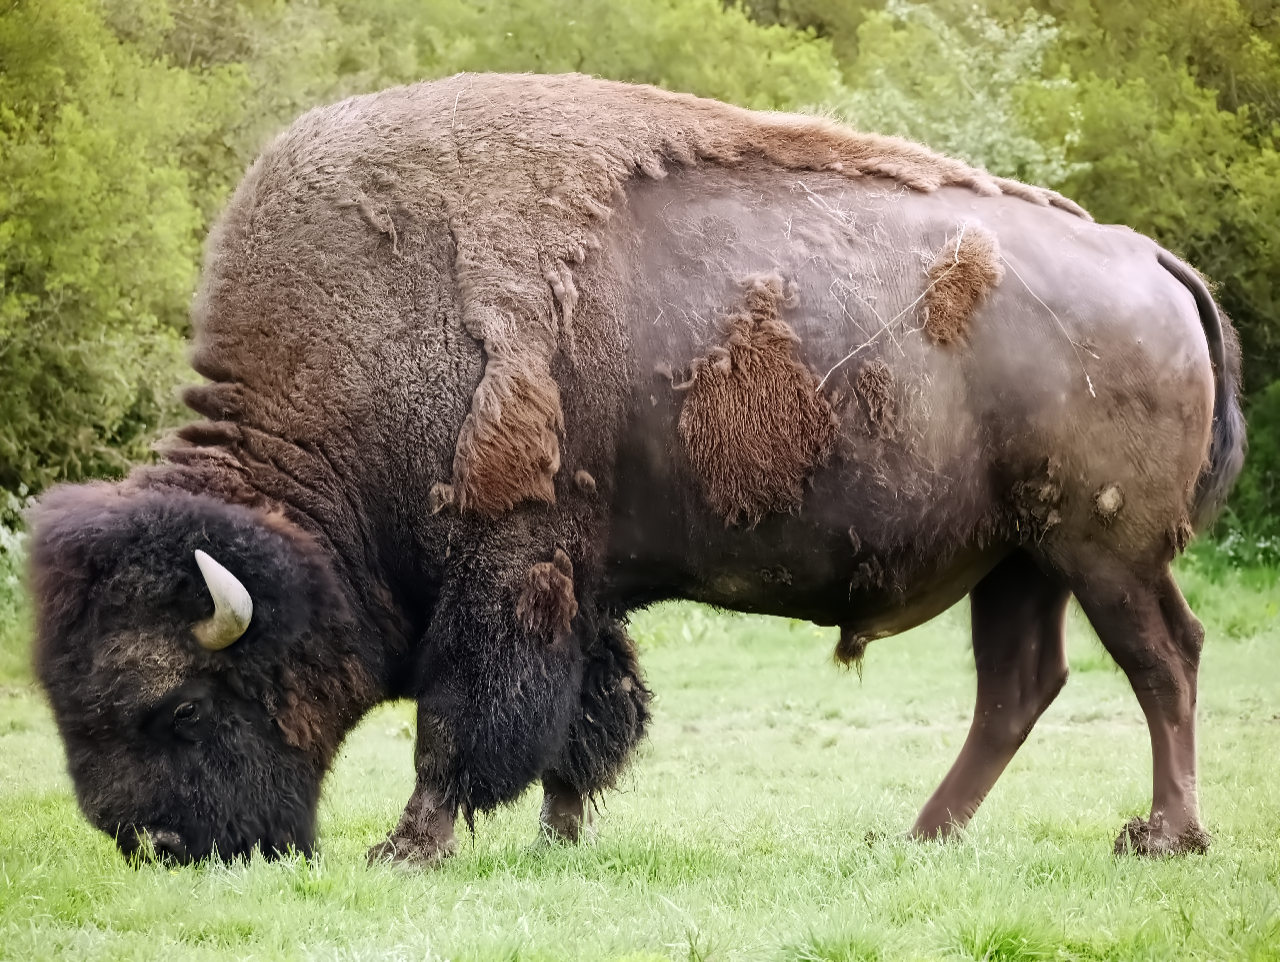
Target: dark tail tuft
(1227,444)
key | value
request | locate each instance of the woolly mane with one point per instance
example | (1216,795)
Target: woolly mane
(528,168)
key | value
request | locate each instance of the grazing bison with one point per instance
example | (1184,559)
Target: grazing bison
(493,361)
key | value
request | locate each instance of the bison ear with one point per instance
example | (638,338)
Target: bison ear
(232,606)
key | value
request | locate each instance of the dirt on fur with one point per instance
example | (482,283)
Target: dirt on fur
(1136,838)
(753,423)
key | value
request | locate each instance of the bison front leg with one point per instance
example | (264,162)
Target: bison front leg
(1018,614)
(609,721)
(500,679)
(424,834)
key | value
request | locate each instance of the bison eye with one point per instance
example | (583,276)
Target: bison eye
(193,721)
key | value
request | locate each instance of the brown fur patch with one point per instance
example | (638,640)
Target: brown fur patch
(313,713)
(874,388)
(1180,534)
(754,424)
(509,449)
(966,269)
(585,482)
(547,604)
(528,168)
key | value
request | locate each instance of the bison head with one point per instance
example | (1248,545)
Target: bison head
(193,653)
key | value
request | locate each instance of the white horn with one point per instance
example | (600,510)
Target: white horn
(232,606)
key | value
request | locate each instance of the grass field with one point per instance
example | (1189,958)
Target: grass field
(762,821)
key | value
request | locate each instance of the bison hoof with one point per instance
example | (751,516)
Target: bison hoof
(412,852)
(561,827)
(1140,837)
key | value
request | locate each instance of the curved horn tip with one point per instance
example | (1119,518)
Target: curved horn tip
(232,606)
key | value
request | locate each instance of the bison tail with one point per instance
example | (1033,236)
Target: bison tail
(1227,444)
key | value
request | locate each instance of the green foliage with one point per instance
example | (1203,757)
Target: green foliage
(15,630)
(1253,521)
(974,90)
(98,239)
(1172,155)
(124,124)
(836,20)
(700,46)
(1233,583)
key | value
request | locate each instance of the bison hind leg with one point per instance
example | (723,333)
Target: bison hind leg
(1018,614)
(1145,624)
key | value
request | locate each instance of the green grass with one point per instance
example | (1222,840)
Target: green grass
(762,821)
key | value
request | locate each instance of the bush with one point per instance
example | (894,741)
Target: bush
(14,616)
(99,234)
(1250,529)
(973,89)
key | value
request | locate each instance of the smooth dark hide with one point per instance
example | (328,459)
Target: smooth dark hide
(1069,417)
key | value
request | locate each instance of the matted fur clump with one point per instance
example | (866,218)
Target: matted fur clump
(547,604)
(874,389)
(528,167)
(966,269)
(754,424)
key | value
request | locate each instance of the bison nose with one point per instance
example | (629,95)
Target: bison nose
(168,845)
(160,844)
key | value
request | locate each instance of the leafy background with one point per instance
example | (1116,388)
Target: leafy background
(124,124)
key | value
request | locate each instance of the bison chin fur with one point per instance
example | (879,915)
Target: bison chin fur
(175,750)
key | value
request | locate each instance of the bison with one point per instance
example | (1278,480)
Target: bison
(492,361)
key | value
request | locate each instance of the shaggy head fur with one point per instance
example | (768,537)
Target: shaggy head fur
(191,751)
(754,424)
(966,269)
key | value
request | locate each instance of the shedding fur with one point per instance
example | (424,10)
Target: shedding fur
(1036,500)
(874,388)
(965,271)
(508,450)
(753,423)
(529,167)
(440,497)
(547,604)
